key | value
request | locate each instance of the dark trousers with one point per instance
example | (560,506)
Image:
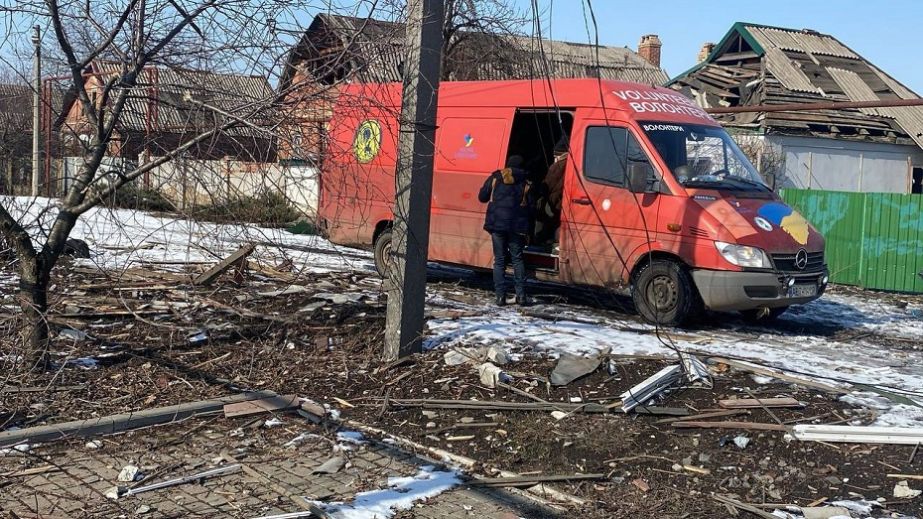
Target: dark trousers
(512,243)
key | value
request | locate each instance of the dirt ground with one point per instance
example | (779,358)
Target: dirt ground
(215,341)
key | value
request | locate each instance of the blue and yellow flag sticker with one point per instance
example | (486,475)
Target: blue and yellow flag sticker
(788,219)
(367,142)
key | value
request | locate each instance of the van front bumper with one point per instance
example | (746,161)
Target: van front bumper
(726,291)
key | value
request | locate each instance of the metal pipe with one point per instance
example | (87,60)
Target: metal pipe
(221,471)
(802,107)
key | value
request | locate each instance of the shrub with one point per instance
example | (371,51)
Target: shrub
(133,196)
(269,208)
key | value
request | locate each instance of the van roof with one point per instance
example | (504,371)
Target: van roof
(639,101)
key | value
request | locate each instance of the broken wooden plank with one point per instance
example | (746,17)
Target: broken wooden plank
(755,403)
(211,274)
(124,421)
(750,426)
(906,476)
(264,405)
(759,370)
(661,411)
(703,416)
(498,405)
(44,469)
(528,481)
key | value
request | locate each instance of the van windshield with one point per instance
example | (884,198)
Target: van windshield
(703,156)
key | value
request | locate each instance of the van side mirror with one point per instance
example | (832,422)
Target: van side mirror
(641,177)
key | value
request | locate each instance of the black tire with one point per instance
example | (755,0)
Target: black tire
(383,253)
(664,294)
(757,316)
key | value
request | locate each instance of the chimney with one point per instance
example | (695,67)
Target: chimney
(705,52)
(649,49)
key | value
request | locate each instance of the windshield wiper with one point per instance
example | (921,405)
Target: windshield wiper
(745,180)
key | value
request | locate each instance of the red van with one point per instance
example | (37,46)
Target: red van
(657,199)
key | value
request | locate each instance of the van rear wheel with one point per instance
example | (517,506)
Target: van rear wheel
(664,294)
(383,260)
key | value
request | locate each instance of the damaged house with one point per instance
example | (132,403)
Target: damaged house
(859,150)
(338,49)
(171,106)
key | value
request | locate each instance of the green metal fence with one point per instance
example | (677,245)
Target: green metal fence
(874,240)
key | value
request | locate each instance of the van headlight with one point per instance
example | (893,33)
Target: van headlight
(743,256)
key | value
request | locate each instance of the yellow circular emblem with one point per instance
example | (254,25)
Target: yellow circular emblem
(367,142)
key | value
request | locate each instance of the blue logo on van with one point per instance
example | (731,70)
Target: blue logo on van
(468,151)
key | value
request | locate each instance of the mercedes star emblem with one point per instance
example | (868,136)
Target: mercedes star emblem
(801,259)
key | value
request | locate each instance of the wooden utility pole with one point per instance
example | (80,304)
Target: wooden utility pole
(36,110)
(414,179)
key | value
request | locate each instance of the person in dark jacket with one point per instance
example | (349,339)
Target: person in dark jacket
(506,193)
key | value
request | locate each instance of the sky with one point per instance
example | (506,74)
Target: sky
(886,32)
(889,33)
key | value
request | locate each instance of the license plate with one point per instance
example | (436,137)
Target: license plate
(802,291)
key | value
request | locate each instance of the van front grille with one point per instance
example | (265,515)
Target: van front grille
(786,262)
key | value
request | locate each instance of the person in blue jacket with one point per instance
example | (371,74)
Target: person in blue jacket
(509,208)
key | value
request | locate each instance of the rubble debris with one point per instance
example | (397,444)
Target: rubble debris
(753,403)
(650,387)
(491,374)
(690,369)
(331,466)
(902,490)
(289,290)
(235,259)
(857,434)
(823,512)
(129,473)
(470,355)
(264,405)
(760,370)
(340,299)
(570,367)
(641,484)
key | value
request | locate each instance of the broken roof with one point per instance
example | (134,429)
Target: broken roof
(169,100)
(756,64)
(335,48)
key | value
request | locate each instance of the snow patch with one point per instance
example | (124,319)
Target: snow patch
(401,494)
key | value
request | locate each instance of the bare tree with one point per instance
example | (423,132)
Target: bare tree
(768,158)
(114,55)
(15,127)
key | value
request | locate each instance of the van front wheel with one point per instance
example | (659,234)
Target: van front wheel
(383,259)
(663,293)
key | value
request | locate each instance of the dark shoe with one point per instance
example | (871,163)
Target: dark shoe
(524,301)
(501,300)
